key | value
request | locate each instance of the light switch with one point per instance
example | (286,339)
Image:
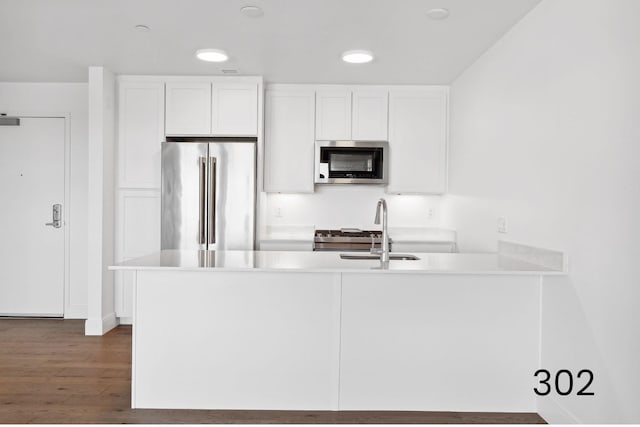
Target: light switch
(502,225)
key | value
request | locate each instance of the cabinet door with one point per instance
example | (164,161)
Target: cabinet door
(289,143)
(333,115)
(138,234)
(414,342)
(140,132)
(188,109)
(418,123)
(370,115)
(235,109)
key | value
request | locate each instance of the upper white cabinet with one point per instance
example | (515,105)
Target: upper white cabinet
(235,109)
(140,133)
(343,113)
(218,108)
(370,115)
(418,123)
(289,140)
(188,109)
(333,114)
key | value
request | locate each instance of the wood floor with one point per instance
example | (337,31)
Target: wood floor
(51,373)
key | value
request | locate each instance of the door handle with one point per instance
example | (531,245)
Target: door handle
(202,161)
(212,200)
(57,216)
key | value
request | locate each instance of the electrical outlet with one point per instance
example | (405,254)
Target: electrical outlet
(502,225)
(277,212)
(430,213)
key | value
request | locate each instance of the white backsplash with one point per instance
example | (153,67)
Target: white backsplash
(350,206)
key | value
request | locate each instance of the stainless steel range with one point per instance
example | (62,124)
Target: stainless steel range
(348,239)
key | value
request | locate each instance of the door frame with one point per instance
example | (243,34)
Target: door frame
(66,198)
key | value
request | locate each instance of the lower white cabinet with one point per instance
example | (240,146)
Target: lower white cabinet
(303,340)
(138,234)
(438,342)
(236,340)
(418,131)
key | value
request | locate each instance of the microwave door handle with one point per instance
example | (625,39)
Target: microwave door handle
(202,181)
(212,200)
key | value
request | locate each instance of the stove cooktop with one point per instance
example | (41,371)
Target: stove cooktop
(348,233)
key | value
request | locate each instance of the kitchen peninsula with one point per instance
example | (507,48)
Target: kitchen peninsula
(312,331)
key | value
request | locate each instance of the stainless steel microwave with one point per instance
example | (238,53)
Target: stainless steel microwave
(351,162)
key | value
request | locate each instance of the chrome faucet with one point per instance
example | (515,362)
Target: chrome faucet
(384,250)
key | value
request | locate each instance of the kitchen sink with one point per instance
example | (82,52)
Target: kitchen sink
(392,257)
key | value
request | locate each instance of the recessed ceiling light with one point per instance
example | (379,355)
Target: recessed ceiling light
(438,14)
(357,56)
(212,55)
(252,11)
(141,27)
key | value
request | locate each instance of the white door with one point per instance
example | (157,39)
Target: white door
(31,253)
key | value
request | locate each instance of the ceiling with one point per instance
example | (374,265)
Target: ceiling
(296,41)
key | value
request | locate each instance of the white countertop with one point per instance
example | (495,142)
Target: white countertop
(429,263)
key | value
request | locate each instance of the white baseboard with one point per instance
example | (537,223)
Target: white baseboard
(554,413)
(125,320)
(75,312)
(99,327)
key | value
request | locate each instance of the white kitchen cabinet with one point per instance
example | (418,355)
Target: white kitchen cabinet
(188,108)
(253,341)
(235,109)
(218,109)
(333,114)
(140,132)
(438,342)
(418,122)
(123,294)
(137,234)
(370,115)
(345,114)
(289,140)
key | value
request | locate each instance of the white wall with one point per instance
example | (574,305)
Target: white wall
(350,206)
(101,212)
(63,98)
(546,132)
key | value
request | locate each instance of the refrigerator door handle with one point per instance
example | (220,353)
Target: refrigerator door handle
(202,178)
(212,200)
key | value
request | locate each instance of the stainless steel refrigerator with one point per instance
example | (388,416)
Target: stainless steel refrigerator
(208,194)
